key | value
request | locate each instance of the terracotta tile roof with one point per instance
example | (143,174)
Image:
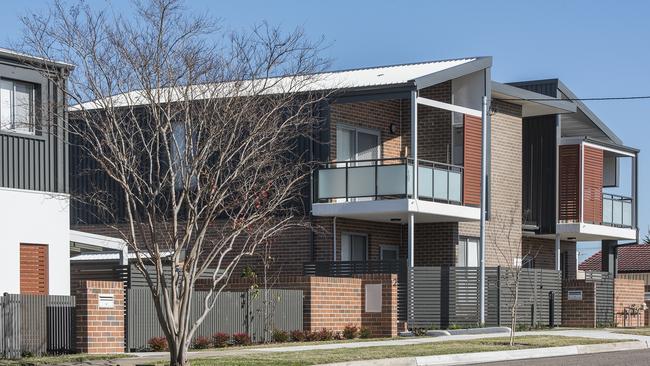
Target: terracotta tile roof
(631,258)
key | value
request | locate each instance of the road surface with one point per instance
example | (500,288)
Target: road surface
(622,358)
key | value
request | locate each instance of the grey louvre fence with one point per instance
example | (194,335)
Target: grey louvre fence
(240,311)
(604,296)
(36,325)
(439,297)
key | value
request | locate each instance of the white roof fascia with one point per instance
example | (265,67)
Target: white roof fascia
(478,64)
(523,97)
(101,241)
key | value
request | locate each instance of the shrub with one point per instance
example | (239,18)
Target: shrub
(311,336)
(324,335)
(298,335)
(350,331)
(280,336)
(241,339)
(338,336)
(220,339)
(201,343)
(158,344)
(365,333)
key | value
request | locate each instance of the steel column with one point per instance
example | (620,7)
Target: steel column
(484,128)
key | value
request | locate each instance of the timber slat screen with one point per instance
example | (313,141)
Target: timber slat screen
(240,311)
(36,325)
(440,297)
(604,296)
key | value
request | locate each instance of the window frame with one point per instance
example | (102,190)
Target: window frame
(31,129)
(464,240)
(367,242)
(388,247)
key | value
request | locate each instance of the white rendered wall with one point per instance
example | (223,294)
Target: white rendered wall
(32,217)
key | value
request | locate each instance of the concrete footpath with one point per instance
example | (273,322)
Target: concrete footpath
(636,343)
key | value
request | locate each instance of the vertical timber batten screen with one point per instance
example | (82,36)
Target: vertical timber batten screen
(440,297)
(36,324)
(234,312)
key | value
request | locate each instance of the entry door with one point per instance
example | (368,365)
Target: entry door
(34,269)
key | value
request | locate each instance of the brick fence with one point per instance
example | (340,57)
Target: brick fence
(628,293)
(334,302)
(579,312)
(100,322)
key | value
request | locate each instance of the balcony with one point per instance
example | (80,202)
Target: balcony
(382,190)
(617,211)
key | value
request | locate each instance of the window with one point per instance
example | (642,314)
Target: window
(181,163)
(467,252)
(528,261)
(389,253)
(356,144)
(16,106)
(354,247)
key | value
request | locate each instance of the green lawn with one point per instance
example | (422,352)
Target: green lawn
(54,360)
(368,353)
(637,331)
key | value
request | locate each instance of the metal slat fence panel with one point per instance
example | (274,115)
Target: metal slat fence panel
(37,324)
(233,312)
(440,297)
(604,296)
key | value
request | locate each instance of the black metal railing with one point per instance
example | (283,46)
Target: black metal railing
(387,178)
(617,210)
(351,268)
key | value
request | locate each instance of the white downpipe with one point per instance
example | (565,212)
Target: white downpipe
(334,239)
(484,127)
(557,252)
(411,240)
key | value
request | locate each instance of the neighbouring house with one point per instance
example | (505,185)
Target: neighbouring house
(34,176)
(631,261)
(399,182)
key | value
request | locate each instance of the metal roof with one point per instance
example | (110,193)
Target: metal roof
(583,122)
(371,77)
(19,56)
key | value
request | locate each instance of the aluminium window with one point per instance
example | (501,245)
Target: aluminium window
(17,100)
(354,247)
(467,252)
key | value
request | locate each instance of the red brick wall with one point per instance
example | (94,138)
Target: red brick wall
(627,293)
(579,313)
(334,302)
(99,330)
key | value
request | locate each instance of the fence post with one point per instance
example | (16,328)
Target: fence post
(499,296)
(551,309)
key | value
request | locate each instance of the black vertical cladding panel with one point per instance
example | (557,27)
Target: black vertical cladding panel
(538,176)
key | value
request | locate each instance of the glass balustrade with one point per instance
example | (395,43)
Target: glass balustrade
(387,178)
(617,210)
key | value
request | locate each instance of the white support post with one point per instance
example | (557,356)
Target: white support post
(414,140)
(484,127)
(411,240)
(557,252)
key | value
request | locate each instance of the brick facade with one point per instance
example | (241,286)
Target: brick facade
(503,228)
(334,302)
(99,330)
(579,313)
(543,253)
(628,293)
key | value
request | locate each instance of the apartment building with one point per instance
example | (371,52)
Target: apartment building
(400,166)
(34,177)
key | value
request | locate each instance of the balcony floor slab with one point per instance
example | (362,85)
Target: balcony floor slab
(397,210)
(581,231)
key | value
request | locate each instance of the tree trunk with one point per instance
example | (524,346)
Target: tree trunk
(178,354)
(513,315)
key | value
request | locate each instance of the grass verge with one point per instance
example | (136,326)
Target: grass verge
(636,331)
(315,357)
(55,360)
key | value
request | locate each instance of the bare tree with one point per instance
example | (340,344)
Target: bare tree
(508,247)
(198,130)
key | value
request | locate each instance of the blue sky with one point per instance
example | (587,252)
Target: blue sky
(597,48)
